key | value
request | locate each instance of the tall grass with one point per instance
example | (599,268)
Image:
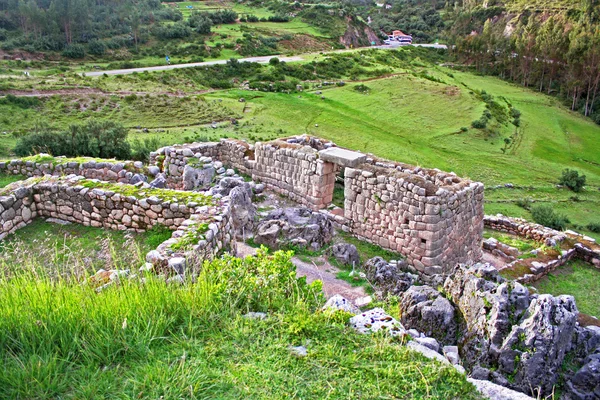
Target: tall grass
(144,338)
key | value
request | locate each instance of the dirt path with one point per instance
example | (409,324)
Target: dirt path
(89,91)
(317,269)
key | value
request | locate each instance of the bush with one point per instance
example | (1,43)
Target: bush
(362,88)
(74,51)
(594,227)
(479,123)
(524,203)
(571,179)
(103,139)
(543,214)
(97,48)
(21,102)
(140,149)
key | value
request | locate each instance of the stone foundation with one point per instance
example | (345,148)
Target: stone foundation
(105,170)
(201,230)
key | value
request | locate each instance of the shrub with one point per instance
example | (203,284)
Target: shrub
(362,88)
(543,214)
(524,203)
(103,139)
(479,123)
(594,227)
(571,179)
(96,47)
(74,51)
(274,61)
(140,149)
(21,102)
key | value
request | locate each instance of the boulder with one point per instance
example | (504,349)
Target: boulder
(337,302)
(195,178)
(375,320)
(387,276)
(426,310)
(346,254)
(299,227)
(159,182)
(242,210)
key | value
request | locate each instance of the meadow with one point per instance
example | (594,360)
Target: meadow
(59,337)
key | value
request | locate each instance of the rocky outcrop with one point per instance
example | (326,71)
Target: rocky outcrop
(243,210)
(388,276)
(346,254)
(426,310)
(299,227)
(523,339)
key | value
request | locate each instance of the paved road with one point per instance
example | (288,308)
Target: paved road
(261,60)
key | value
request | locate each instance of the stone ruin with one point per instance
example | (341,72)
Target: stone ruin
(433,218)
(503,333)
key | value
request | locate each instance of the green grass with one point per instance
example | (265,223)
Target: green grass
(7,179)
(64,340)
(579,279)
(521,244)
(74,248)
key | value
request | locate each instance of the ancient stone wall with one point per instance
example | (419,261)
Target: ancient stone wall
(295,171)
(105,170)
(583,247)
(434,219)
(201,230)
(17,209)
(237,154)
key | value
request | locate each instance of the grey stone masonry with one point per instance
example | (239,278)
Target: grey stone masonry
(435,219)
(342,157)
(295,171)
(105,170)
(201,230)
(172,159)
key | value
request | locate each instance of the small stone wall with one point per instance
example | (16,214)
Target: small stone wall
(205,229)
(17,209)
(523,228)
(434,219)
(237,154)
(105,170)
(295,171)
(583,247)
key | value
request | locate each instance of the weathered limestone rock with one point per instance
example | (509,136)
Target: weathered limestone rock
(346,254)
(497,392)
(375,320)
(387,276)
(425,309)
(294,226)
(337,302)
(197,177)
(243,211)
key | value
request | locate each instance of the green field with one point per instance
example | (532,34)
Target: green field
(578,279)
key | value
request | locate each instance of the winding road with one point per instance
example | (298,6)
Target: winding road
(260,60)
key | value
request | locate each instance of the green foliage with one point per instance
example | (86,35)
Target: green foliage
(21,102)
(362,88)
(74,51)
(104,139)
(156,235)
(571,179)
(141,148)
(96,47)
(151,340)
(479,123)
(593,227)
(543,214)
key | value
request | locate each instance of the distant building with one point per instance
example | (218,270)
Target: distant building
(401,37)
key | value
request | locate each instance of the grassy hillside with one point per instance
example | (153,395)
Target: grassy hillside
(61,339)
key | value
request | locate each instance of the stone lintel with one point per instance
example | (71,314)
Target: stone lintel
(342,157)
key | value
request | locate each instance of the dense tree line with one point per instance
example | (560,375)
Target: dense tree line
(557,54)
(78,27)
